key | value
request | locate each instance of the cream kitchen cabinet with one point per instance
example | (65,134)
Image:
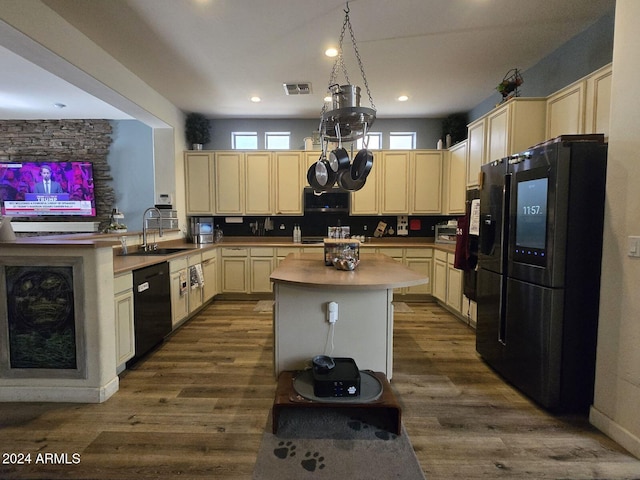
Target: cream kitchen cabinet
(425,185)
(454,285)
(195,291)
(440,269)
(366,201)
(123,308)
(200,181)
(515,126)
(419,260)
(476,146)
(394,177)
(262,262)
(179,277)
(456,168)
(290,178)
(282,252)
(229,183)
(234,270)
(210,274)
(258,187)
(582,107)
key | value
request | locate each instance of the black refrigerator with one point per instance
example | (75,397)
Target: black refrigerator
(540,249)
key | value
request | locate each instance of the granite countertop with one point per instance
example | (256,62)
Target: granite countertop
(375,271)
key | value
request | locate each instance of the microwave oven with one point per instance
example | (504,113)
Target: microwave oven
(335,200)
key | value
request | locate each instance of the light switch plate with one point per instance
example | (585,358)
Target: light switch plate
(634,247)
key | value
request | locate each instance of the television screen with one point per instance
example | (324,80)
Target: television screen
(46,188)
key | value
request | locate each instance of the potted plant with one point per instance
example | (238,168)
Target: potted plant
(197,130)
(509,86)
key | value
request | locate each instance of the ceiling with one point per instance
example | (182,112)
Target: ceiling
(212,56)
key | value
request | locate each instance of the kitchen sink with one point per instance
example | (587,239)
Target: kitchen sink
(159,251)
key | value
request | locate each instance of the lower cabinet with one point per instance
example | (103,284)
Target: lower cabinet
(261,265)
(234,270)
(210,273)
(419,260)
(195,286)
(123,308)
(447,281)
(179,274)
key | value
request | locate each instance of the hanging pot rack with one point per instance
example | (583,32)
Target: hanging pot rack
(346,123)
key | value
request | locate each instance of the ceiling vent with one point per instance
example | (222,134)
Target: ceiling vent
(297,88)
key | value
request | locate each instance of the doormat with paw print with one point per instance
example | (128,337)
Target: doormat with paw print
(330,443)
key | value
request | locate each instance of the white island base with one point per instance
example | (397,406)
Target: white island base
(304,287)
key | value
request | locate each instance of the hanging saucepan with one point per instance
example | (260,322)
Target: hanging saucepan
(345,182)
(339,159)
(361,165)
(324,173)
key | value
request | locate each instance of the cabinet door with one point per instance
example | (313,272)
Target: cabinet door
(424,266)
(366,200)
(475,151)
(210,273)
(289,173)
(497,134)
(234,274)
(598,105)
(426,183)
(179,298)
(229,168)
(454,286)
(261,268)
(565,111)
(395,178)
(199,182)
(456,190)
(258,184)
(125,339)
(440,280)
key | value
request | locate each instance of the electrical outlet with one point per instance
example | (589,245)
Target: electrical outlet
(403,225)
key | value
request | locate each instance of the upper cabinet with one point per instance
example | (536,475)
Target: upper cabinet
(229,184)
(258,187)
(582,107)
(425,193)
(290,170)
(366,201)
(456,180)
(199,176)
(394,171)
(510,128)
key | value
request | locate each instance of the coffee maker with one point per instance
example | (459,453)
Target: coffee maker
(201,230)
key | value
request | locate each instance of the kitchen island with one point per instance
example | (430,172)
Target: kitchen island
(304,287)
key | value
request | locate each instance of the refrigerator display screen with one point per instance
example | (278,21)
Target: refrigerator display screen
(531,216)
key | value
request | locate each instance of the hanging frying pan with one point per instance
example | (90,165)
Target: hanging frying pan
(324,173)
(361,165)
(339,159)
(345,182)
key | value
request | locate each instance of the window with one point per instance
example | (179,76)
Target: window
(402,140)
(277,140)
(374,141)
(244,140)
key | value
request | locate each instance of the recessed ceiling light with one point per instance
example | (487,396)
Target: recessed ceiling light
(331,52)
(256,99)
(403,98)
(59,105)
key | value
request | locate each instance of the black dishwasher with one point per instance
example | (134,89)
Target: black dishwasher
(151,307)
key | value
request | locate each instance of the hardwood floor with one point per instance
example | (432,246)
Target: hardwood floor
(197,408)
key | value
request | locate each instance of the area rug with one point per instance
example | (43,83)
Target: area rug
(402,307)
(331,443)
(263,306)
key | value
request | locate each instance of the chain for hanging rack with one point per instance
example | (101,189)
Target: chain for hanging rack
(340,60)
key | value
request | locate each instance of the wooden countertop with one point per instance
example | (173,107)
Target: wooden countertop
(375,272)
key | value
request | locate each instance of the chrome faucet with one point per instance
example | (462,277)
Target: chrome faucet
(144,245)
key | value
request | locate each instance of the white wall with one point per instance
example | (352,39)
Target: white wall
(617,389)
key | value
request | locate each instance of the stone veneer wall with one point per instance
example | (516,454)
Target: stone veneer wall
(63,141)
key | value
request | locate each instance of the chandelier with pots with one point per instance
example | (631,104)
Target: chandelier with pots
(344,121)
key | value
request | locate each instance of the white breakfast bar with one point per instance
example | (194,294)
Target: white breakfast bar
(304,287)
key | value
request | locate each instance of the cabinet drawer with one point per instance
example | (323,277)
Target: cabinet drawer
(234,252)
(440,255)
(419,252)
(209,254)
(261,252)
(451,258)
(194,260)
(178,264)
(122,283)
(284,251)
(393,252)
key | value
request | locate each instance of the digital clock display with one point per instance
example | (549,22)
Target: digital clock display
(531,217)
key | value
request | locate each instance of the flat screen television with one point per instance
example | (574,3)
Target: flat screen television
(30,189)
